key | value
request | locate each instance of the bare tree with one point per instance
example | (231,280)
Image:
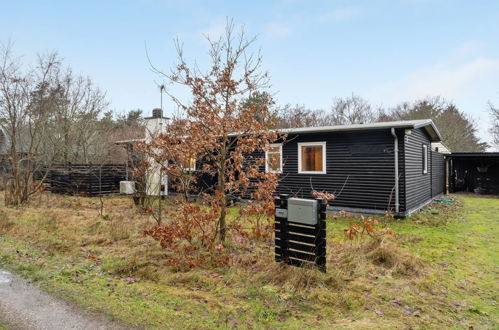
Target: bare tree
(219,126)
(344,111)
(24,109)
(351,110)
(298,116)
(38,109)
(75,117)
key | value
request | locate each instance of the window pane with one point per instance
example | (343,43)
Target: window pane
(274,149)
(189,164)
(274,162)
(311,158)
(425,159)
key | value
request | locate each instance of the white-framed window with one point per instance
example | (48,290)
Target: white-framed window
(425,159)
(312,158)
(273,158)
(190,164)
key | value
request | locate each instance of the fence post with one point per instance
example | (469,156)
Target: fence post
(72,189)
(320,234)
(278,234)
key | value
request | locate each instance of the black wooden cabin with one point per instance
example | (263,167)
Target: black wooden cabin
(371,168)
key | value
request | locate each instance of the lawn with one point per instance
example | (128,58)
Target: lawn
(439,271)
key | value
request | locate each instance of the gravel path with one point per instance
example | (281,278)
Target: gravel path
(24,306)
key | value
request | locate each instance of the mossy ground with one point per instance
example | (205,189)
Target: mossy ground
(443,271)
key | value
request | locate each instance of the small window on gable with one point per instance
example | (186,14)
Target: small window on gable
(312,158)
(425,159)
(273,158)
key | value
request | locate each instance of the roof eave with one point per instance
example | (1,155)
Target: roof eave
(433,132)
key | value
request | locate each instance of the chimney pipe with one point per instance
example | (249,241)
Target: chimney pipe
(157,113)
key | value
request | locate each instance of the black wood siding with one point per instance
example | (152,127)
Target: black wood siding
(359,165)
(437,173)
(417,184)
(360,169)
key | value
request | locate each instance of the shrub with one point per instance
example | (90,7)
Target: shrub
(368,226)
(191,228)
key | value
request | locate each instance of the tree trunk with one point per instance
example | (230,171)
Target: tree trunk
(222,226)
(221,222)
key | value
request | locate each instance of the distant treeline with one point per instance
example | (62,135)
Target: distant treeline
(459,130)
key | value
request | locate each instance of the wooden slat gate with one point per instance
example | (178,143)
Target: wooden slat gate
(299,244)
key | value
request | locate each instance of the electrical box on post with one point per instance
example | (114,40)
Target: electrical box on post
(302,210)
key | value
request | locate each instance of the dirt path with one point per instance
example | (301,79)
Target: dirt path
(23,306)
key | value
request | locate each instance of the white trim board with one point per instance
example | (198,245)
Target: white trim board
(280,158)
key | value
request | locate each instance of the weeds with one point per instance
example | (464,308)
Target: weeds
(5,222)
(372,241)
(299,279)
(368,226)
(437,214)
(118,229)
(385,252)
(49,221)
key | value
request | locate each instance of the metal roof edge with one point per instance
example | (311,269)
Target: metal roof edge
(420,123)
(428,122)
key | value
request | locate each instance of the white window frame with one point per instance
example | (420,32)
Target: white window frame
(305,144)
(267,169)
(425,159)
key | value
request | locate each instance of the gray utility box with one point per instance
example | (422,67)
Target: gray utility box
(302,210)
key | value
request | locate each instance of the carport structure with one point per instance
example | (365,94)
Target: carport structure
(476,172)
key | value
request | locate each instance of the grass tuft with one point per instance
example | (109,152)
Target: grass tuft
(385,252)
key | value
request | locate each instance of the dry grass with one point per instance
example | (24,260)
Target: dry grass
(5,222)
(109,265)
(346,260)
(386,252)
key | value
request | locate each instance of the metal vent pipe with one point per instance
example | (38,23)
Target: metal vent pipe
(396,156)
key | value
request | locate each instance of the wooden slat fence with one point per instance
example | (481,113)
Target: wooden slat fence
(86,179)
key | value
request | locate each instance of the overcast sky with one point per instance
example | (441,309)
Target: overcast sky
(315,51)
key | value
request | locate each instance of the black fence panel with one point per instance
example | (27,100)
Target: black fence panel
(86,179)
